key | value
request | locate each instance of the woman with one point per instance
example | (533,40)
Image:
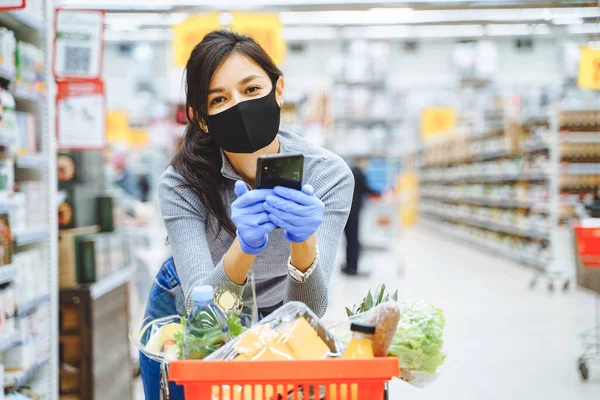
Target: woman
(219,228)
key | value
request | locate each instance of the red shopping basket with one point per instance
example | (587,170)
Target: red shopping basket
(335,379)
(588,246)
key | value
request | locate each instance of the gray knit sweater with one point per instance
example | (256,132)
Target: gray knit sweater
(198,252)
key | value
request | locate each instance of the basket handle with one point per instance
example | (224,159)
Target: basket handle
(164,382)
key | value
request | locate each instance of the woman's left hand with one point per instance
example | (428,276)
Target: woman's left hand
(298,212)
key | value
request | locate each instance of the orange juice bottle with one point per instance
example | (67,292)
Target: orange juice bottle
(361,345)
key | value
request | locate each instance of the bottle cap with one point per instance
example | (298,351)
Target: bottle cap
(362,328)
(203,293)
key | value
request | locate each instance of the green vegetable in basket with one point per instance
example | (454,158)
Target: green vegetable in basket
(419,337)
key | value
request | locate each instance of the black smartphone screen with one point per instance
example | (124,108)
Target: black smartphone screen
(279,170)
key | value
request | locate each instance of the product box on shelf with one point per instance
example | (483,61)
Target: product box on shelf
(32,276)
(35,194)
(8,46)
(8,123)
(26,139)
(105,207)
(68,164)
(67,254)
(79,208)
(19,358)
(99,255)
(6,245)
(7,176)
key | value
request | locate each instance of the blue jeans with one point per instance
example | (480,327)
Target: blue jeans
(166,298)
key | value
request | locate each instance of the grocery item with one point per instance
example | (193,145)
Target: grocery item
(385,318)
(293,332)
(206,328)
(297,341)
(419,337)
(383,314)
(361,344)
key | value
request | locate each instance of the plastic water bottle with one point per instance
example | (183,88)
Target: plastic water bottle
(206,329)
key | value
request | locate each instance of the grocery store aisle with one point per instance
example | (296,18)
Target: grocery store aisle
(503,341)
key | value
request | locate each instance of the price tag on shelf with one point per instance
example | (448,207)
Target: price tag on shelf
(80,115)
(589,68)
(78,44)
(12,4)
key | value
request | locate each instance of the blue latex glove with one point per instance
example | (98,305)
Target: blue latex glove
(299,213)
(250,218)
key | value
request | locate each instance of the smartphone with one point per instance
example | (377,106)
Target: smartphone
(279,170)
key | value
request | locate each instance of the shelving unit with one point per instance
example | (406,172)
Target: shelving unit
(493,188)
(34,167)
(512,195)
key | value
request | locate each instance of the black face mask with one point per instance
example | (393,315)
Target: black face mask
(248,126)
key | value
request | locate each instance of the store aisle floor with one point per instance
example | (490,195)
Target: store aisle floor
(503,340)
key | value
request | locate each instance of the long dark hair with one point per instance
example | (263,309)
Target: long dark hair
(199,159)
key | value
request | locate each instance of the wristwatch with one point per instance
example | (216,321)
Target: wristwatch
(300,276)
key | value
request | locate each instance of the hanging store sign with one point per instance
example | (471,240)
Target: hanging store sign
(12,4)
(80,115)
(79,44)
(437,121)
(266,29)
(589,68)
(191,32)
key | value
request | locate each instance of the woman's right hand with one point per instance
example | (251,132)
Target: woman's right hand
(250,218)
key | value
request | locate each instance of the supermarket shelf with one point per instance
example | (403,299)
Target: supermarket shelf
(31,236)
(490,155)
(28,94)
(112,282)
(19,20)
(533,147)
(367,120)
(490,225)
(25,377)
(32,161)
(483,201)
(580,137)
(485,245)
(7,342)
(8,273)
(490,178)
(580,169)
(376,83)
(32,305)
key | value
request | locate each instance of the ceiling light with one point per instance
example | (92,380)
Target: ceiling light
(225,19)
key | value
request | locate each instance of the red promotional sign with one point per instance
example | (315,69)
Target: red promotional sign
(6,5)
(81,115)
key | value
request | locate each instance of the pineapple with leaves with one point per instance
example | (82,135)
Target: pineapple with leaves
(372,300)
(382,311)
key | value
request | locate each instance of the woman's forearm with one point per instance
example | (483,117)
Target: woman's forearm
(303,254)
(237,264)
